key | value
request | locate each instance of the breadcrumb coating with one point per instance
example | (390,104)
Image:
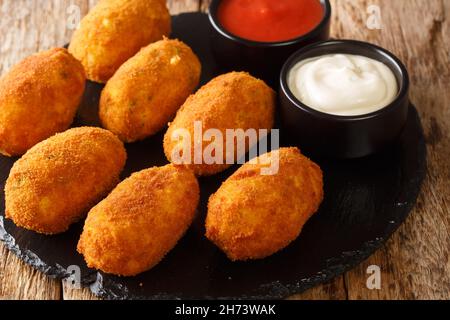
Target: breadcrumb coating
(58,180)
(38,98)
(114,31)
(235,100)
(252,216)
(141,220)
(146,91)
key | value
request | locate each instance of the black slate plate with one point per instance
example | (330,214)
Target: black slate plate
(365,202)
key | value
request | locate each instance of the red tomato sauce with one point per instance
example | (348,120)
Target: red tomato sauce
(270,20)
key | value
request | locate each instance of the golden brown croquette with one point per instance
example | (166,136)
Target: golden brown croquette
(58,180)
(235,100)
(252,216)
(38,98)
(114,31)
(146,91)
(141,220)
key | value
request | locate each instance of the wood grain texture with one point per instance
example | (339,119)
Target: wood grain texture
(70,293)
(178,6)
(20,281)
(415,262)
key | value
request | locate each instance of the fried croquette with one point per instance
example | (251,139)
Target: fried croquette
(146,91)
(142,219)
(58,180)
(252,216)
(235,100)
(38,98)
(114,31)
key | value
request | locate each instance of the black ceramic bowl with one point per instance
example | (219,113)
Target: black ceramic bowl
(335,136)
(262,59)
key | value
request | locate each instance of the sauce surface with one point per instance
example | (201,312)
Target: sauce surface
(270,20)
(343,84)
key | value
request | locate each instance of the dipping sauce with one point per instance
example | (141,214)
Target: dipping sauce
(343,84)
(270,20)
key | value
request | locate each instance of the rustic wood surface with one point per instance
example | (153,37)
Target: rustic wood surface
(415,262)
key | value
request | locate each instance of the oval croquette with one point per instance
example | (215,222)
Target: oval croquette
(114,31)
(235,100)
(38,98)
(141,220)
(252,216)
(146,91)
(58,180)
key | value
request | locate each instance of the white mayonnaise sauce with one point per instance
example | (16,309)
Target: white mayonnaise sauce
(343,84)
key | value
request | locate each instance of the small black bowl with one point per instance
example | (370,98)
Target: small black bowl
(262,59)
(328,135)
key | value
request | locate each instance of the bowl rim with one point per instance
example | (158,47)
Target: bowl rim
(212,14)
(379,51)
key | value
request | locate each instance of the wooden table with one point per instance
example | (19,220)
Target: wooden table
(415,261)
